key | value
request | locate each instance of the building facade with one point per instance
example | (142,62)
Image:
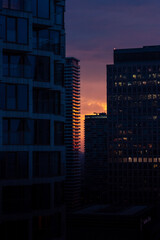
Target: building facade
(32,154)
(72,134)
(133,102)
(95,157)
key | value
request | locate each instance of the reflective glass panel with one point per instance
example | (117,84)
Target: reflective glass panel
(11,29)
(22,31)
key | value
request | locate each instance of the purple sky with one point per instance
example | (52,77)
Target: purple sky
(95,27)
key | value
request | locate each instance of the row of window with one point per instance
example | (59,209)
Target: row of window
(29,66)
(31,197)
(43,227)
(14,165)
(21,131)
(15,97)
(40,8)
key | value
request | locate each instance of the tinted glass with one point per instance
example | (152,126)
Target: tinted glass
(16,66)
(22,98)
(43,8)
(16,4)
(2,96)
(5,65)
(22,31)
(59,15)
(11,97)
(5,131)
(42,69)
(34,7)
(11,29)
(43,39)
(3,19)
(5,4)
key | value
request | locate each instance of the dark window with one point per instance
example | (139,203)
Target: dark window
(58,193)
(46,101)
(13,4)
(26,131)
(47,40)
(5,3)
(26,66)
(41,8)
(46,164)
(16,228)
(16,30)
(22,33)
(14,97)
(40,68)
(42,227)
(59,133)
(41,196)
(11,29)
(16,199)
(59,73)
(13,165)
(59,14)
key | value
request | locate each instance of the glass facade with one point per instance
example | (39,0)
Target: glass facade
(133,84)
(32,152)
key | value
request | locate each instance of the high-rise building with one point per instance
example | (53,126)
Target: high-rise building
(32,152)
(95,157)
(72,134)
(133,103)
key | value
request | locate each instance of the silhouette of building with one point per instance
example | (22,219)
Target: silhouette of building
(32,153)
(95,156)
(112,223)
(133,145)
(72,134)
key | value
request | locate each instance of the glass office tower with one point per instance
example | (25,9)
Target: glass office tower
(133,103)
(32,158)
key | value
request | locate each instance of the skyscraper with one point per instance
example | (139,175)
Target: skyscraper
(95,157)
(72,133)
(32,153)
(133,100)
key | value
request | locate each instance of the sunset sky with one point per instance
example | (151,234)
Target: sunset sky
(94,28)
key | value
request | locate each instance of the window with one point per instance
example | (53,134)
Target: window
(26,131)
(14,97)
(41,196)
(58,193)
(59,15)
(40,68)
(46,164)
(46,101)
(42,227)
(16,228)
(13,165)
(41,8)
(16,199)
(13,4)
(59,73)
(59,133)
(26,66)
(15,30)
(47,40)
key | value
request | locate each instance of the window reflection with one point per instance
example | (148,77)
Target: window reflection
(41,8)
(26,131)
(13,4)
(15,30)
(14,97)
